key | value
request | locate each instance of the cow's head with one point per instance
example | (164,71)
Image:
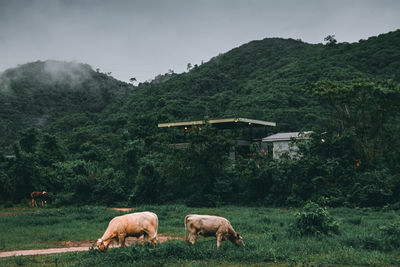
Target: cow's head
(238,240)
(100,245)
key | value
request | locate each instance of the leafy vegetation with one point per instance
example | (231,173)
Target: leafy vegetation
(89,139)
(37,93)
(314,220)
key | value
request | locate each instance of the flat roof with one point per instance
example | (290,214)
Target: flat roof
(286,136)
(221,123)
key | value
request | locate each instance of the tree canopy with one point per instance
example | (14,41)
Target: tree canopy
(87,137)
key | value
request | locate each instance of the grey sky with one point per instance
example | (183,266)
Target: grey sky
(144,38)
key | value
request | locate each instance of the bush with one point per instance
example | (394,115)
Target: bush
(314,220)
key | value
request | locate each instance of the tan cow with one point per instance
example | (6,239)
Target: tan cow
(133,224)
(207,225)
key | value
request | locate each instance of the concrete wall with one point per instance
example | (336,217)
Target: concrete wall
(284,147)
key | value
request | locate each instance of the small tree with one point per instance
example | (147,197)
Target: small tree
(330,39)
(314,220)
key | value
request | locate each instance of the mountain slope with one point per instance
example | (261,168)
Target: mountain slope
(36,93)
(95,148)
(262,80)
(265,80)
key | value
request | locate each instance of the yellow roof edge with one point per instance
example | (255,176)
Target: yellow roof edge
(199,122)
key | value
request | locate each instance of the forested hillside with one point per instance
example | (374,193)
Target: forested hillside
(266,80)
(100,142)
(37,93)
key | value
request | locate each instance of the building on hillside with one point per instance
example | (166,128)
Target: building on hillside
(247,131)
(283,143)
(228,123)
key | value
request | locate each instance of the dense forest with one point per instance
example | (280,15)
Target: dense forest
(36,93)
(87,138)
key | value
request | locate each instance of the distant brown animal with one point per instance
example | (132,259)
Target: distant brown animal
(207,225)
(133,224)
(42,195)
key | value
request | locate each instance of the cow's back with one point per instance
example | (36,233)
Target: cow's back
(138,222)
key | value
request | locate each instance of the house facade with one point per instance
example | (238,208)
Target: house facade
(283,143)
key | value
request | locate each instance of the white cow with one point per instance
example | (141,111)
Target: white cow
(207,225)
(134,224)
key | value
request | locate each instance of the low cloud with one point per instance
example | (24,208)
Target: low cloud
(72,73)
(51,72)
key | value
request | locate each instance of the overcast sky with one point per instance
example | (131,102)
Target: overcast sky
(148,37)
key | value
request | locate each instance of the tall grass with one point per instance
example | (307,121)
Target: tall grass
(266,232)
(42,228)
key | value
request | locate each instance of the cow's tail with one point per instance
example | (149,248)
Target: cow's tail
(157,229)
(186,219)
(154,237)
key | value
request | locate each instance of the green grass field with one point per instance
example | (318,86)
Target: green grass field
(265,232)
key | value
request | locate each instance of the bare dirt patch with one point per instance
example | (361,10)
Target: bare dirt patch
(128,241)
(122,209)
(13,212)
(6,214)
(70,246)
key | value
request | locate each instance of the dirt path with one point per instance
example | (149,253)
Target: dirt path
(75,246)
(122,209)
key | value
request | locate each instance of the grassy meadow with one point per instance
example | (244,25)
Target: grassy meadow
(266,232)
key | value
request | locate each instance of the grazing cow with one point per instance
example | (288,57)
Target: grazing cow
(42,195)
(207,225)
(133,224)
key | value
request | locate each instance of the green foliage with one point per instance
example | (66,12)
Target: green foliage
(363,108)
(38,93)
(314,220)
(50,151)
(205,163)
(375,188)
(28,140)
(88,138)
(150,182)
(391,234)
(330,39)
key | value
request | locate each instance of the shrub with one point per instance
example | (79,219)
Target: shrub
(314,220)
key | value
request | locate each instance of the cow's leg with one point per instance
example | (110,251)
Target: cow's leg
(192,236)
(154,240)
(34,201)
(219,239)
(152,237)
(121,240)
(144,239)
